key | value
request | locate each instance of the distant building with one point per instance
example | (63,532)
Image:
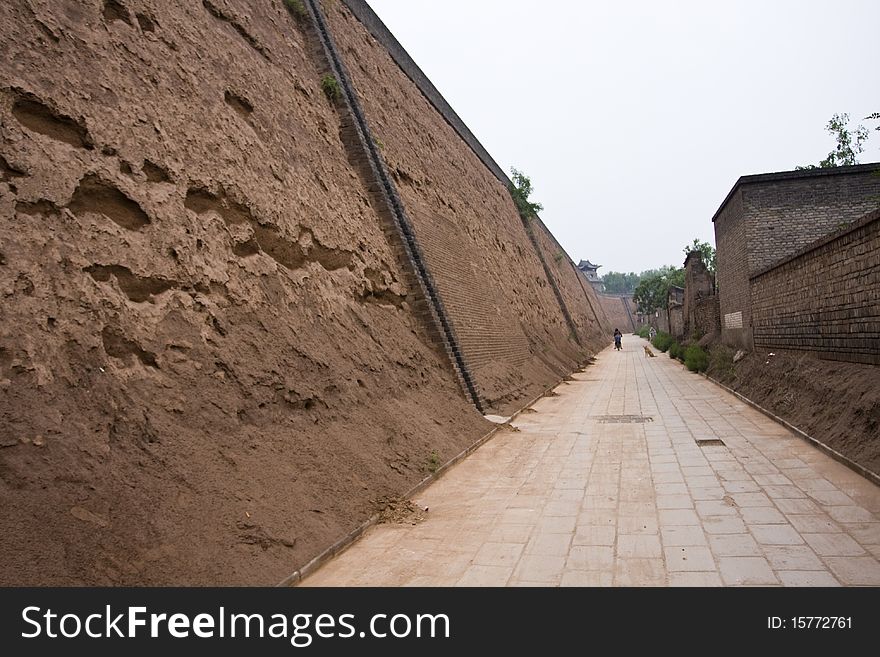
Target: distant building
(675,300)
(591,272)
(700,309)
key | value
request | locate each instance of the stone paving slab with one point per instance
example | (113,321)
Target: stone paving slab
(587,493)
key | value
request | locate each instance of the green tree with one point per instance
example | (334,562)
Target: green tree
(521,190)
(706,250)
(616,282)
(849,143)
(651,293)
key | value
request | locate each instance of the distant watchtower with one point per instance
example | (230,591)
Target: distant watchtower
(591,272)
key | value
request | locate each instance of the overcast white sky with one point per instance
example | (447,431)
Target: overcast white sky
(634,119)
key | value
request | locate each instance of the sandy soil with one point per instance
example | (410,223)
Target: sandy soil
(834,402)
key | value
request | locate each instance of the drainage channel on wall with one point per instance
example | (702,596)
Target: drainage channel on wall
(389,194)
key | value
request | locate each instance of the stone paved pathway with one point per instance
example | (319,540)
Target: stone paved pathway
(582,495)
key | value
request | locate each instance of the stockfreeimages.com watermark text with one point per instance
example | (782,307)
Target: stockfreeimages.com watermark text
(300,629)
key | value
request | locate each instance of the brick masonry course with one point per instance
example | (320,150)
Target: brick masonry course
(767,218)
(825,299)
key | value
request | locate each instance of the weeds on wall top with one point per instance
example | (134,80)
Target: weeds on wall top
(433,462)
(298,9)
(330,86)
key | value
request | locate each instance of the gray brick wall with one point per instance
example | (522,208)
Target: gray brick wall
(768,217)
(786,215)
(825,299)
(732,273)
(704,317)
(699,287)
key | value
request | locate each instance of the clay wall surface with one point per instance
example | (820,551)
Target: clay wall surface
(512,329)
(214,362)
(209,369)
(578,296)
(616,313)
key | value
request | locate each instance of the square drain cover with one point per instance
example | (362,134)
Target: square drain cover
(623,419)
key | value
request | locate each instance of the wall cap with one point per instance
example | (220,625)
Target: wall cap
(795,175)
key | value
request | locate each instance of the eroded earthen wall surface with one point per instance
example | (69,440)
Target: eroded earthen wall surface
(208,368)
(211,363)
(511,327)
(616,313)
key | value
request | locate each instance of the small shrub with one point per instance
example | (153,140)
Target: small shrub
(379,144)
(558,257)
(298,9)
(695,359)
(330,86)
(721,364)
(520,188)
(662,341)
(433,462)
(644,331)
(675,350)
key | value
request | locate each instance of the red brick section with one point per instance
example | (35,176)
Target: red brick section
(825,298)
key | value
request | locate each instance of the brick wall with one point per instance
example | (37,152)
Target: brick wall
(483,324)
(705,317)
(732,272)
(784,216)
(768,217)
(700,305)
(578,296)
(616,313)
(826,298)
(368,18)
(510,323)
(675,313)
